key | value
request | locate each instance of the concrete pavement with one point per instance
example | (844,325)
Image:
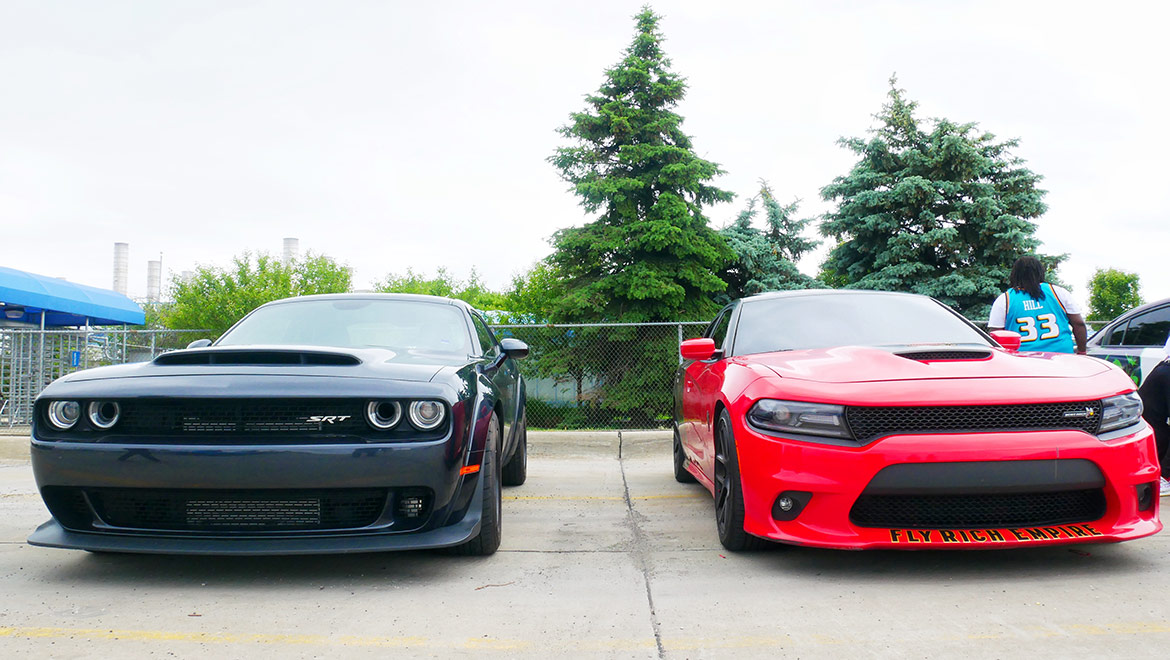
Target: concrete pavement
(602,557)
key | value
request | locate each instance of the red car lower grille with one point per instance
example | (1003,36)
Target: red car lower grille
(870,422)
(978,511)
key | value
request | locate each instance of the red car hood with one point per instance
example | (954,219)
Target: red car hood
(861,364)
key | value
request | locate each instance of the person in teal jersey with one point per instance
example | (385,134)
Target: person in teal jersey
(1046,316)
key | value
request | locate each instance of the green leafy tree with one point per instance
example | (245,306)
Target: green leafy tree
(215,298)
(649,255)
(1113,292)
(943,210)
(472,290)
(765,260)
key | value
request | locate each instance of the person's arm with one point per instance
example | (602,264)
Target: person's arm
(1080,332)
(997,319)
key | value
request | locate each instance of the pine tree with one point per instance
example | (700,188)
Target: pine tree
(649,255)
(766,260)
(943,212)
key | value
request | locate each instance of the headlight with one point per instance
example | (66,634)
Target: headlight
(64,414)
(383,415)
(799,417)
(426,415)
(104,414)
(1120,411)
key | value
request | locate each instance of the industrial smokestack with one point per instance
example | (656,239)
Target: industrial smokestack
(291,247)
(153,280)
(121,266)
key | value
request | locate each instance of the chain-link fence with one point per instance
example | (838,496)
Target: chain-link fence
(31,359)
(600,376)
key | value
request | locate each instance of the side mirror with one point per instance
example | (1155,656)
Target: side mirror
(1008,339)
(697,349)
(199,343)
(514,348)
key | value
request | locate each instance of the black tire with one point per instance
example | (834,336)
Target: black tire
(729,493)
(515,471)
(680,462)
(490,527)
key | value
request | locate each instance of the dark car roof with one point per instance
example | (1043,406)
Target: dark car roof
(1128,315)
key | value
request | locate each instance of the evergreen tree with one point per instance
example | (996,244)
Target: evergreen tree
(943,212)
(649,256)
(766,260)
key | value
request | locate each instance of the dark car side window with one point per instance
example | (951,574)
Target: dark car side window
(1114,337)
(1149,329)
(487,342)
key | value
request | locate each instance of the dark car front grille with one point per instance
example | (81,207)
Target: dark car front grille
(978,511)
(248,416)
(868,422)
(238,510)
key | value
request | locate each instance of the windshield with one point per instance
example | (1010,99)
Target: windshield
(400,325)
(862,319)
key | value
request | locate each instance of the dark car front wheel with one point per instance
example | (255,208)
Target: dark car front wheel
(515,471)
(490,526)
(729,512)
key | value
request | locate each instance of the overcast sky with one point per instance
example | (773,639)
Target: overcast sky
(391,135)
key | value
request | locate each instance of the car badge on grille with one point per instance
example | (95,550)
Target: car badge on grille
(1086,413)
(327,418)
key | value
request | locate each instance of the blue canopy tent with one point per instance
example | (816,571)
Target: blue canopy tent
(24,296)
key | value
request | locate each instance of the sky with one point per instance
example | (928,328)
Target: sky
(395,135)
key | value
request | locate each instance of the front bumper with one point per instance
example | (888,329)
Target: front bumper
(836,476)
(452,516)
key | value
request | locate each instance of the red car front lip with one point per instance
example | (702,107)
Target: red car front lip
(837,476)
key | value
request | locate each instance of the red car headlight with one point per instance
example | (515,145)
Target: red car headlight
(799,417)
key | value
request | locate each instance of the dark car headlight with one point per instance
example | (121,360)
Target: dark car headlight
(383,415)
(799,417)
(64,414)
(104,414)
(1120,411)
(427,415)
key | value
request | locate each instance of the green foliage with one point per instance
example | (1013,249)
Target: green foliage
(650,255)
(472,291)
(943,212)
(534,294)
(766,260)
(1113,292)
(215,298)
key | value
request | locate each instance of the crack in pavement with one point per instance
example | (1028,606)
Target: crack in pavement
(639,552)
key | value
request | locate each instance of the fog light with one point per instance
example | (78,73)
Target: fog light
(1146,495)
(789,504)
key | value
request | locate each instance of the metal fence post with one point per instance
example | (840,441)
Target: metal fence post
(680,341)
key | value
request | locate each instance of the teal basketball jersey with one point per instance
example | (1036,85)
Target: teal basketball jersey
(1042,324)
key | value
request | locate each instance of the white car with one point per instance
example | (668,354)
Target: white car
(1136,340)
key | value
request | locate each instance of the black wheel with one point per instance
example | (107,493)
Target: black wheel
(515,471)
(680,462)
(490,528)
(728,492)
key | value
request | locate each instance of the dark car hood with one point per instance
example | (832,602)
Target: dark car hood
(283,361)
(861,364)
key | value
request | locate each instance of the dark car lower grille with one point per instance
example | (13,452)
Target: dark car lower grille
(868,423)
(238,510)
(978,511)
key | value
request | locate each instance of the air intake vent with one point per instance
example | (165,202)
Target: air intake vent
(179,358)
(936,355)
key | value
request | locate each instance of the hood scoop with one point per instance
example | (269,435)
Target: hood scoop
(255,358)
(945,355)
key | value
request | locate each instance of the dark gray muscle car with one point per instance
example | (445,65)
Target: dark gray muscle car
(321,424)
